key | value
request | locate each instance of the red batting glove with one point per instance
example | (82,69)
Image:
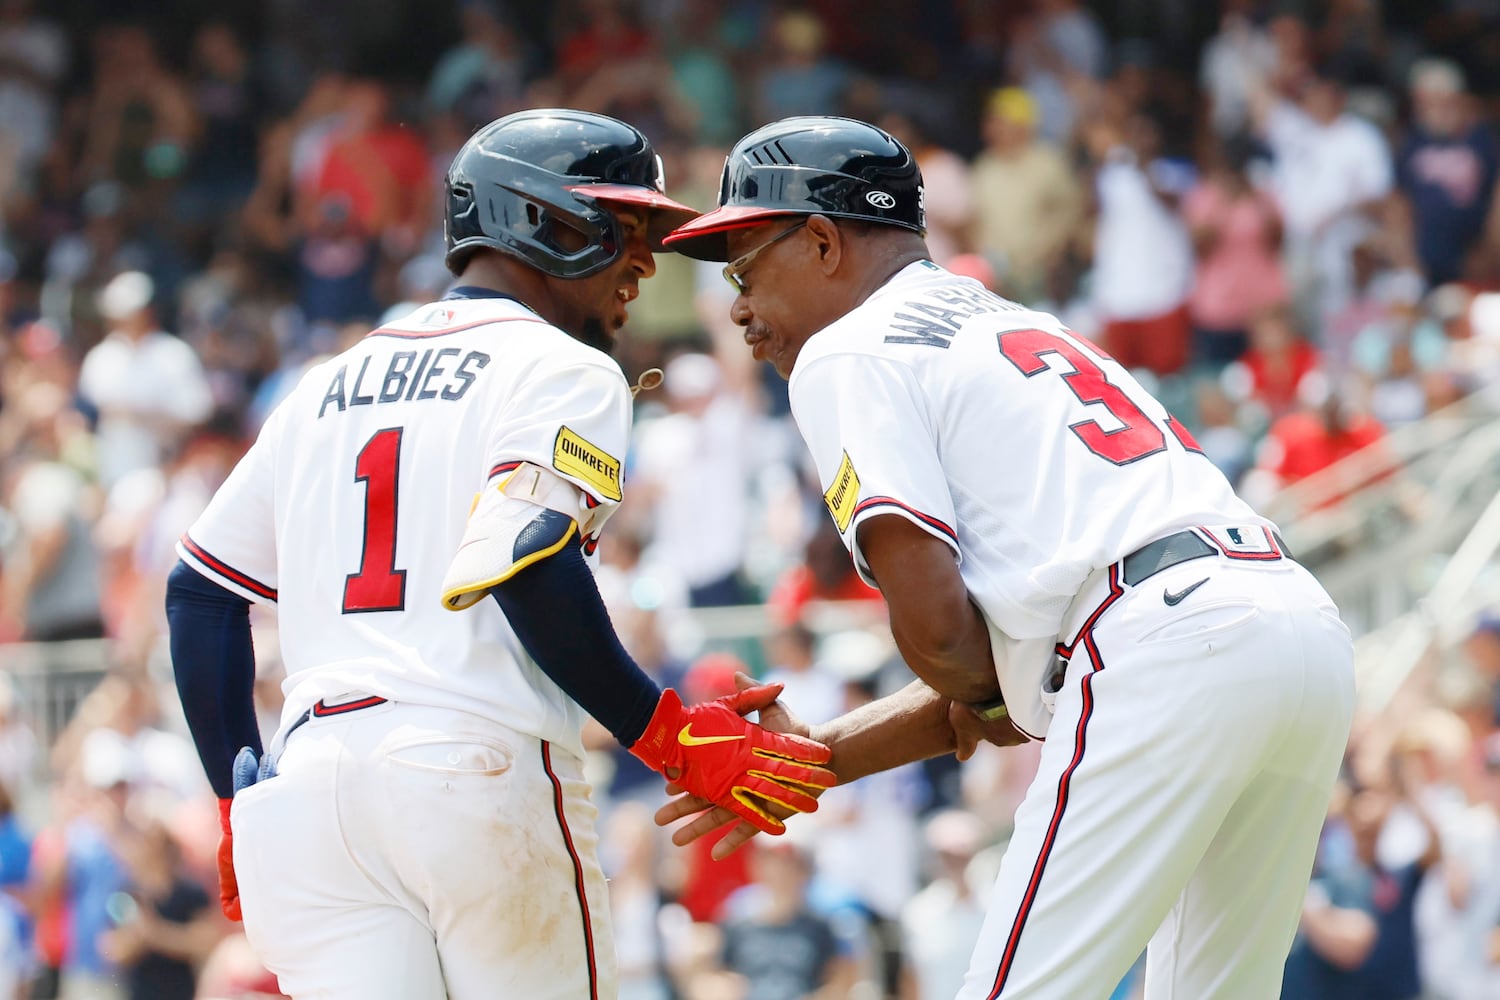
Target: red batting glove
(711,751)
(229,887)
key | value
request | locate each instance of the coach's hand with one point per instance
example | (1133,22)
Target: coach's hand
(246,768)
(708,817)
(970,731)
(714,753)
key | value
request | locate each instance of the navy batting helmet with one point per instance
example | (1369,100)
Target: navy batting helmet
(521,178)
(839,167)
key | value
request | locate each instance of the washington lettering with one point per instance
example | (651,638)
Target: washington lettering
(935,320)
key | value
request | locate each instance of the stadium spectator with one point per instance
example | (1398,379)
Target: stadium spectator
(1027,200)
(643,947)
(482,77)
(1272,371)
(50,589)
(1055,50)
(941,922)
(228,104)
(823,574)
(1234,61)
(1143,257)
(1236,231)
(34,56)
(169,925)
(801,78)
(147,386)
(1357,937)
(807,683)
(950,195)
(1325,429)
(692,470)
(779,947)
(1446,169)
(1332,171)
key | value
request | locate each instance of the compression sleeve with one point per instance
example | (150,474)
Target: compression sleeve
(213,663)
(555,609)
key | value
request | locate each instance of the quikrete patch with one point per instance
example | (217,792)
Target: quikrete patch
(574,456)
(843,496)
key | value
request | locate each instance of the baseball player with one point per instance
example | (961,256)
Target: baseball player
(420,825)
(1032,514)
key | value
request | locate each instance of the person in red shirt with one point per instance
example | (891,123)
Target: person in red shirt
(381,168)
(1316,436)
(824,574)
(1269,373)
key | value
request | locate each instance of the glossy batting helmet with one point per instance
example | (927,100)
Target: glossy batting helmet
(839,167)
(522,179)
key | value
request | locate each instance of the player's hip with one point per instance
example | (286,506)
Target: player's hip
(406,797)
(510,695)
(1216,591)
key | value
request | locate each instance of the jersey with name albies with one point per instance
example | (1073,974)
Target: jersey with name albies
(346,511)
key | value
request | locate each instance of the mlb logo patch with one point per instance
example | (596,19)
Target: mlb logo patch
(438,316)
(1243,541)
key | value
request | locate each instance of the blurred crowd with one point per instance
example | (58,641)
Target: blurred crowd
(1281,215)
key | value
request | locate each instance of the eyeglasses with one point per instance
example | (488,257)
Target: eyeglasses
(735,269)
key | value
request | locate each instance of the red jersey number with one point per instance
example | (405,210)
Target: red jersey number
(1139,435)
(379,585)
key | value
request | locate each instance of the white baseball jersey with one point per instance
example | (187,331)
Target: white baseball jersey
(347,510)
(1037,457)
(1044,464)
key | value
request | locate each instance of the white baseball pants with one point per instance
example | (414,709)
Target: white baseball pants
(1181,790)
(407,853)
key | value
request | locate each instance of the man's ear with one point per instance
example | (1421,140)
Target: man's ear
(828,242)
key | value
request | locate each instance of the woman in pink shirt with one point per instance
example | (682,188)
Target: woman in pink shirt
(1236,231)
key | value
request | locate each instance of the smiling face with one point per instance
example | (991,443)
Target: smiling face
(593,309)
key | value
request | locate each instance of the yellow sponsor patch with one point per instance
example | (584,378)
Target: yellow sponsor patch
(843,496)
(576,457)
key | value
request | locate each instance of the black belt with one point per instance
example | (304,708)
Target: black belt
(1164,553)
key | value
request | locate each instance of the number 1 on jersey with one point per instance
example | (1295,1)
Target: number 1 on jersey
(379,585)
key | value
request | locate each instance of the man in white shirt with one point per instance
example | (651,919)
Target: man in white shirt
(147,385)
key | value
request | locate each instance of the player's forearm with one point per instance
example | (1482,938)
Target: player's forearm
(948,647)
(940,632)
(555,609)
(213,664)
(907,726)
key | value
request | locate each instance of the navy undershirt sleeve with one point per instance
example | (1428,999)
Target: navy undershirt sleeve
(213,662)
(555,609)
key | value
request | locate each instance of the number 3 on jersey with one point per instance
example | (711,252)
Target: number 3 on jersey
(1138,436)
(379,585)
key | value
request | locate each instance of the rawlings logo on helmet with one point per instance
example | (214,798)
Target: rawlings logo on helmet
(881,200)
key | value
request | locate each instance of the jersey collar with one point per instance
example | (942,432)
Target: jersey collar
(476,292)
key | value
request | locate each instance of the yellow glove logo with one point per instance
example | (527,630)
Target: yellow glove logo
(687,739)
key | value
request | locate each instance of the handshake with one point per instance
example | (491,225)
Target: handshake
(713,753)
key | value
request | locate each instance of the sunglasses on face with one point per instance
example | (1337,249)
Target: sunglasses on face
(734,271)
